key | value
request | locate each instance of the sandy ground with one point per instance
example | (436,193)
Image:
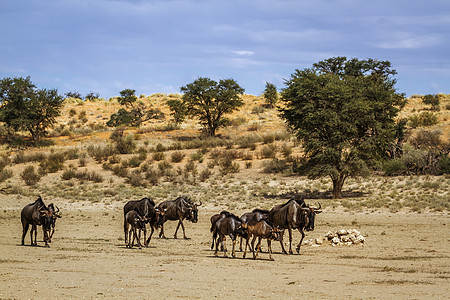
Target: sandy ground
(406,256)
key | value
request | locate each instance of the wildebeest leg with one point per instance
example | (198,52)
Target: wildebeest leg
(139,238)
(51,234)
(24,232)
(150,236)
(33,230)
(269,246)
(253,247)
(125,229)
(161,232)
(299,244)
(180,222)
(45,233)
(224,246)
(281,242)
(258,245)
(246,244)
(213,239)
(290,240)
(233,251)
(217,246)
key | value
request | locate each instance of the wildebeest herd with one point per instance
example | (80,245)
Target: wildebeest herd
(258,224)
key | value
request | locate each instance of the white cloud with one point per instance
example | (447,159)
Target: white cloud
(411,42)
(243,52)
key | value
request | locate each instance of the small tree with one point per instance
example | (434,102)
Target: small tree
(92,96)
(178,110)
(24,107)
(270,95)
(74,94)
(344,113)
(211,101)
(136,114)
(432,100)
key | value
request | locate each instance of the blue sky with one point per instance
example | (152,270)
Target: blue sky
(157,46)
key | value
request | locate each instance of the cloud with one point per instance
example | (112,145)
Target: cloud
(243,52)
(413,42)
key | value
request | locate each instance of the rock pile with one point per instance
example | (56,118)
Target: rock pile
(340,237)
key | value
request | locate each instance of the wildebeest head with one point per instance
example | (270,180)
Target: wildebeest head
(192,213)
(310,215)
(140,221)
(55,213)
(159,217)
(276,233)
(46,217)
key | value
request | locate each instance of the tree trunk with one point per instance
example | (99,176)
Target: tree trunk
(337,186)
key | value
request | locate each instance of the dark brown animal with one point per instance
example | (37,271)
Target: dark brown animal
(56,215)
(252,217)
(262,230)
(213,220)
(294,214)
(36,214)
(146,208)
(179,209)
(134,221)
(231,226)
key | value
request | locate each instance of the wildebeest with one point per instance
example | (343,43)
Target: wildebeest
(262,230)
(56,215)
(36,214)
(252,217)
(134,221)
(146,208)
(231,226)
(213,220)
(294,214)
(179,209)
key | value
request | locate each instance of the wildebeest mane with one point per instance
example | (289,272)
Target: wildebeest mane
(263,211)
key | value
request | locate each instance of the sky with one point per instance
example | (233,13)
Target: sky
(158,46)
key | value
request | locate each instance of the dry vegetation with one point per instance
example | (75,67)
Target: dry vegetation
(249,165)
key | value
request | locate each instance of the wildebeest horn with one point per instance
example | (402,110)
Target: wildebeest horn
(317,208)
(57,209)
(200,203)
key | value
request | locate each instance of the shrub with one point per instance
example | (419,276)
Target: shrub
(152,176)
(205,174)
(444,165)
(100,153)
(198,156)
(136,179)
(268,138)
(226,165)
(269,151)
(286,150)
(124,145)
(394,167)
(158,156)
(274,166)
(190,167)
(72,113)
(52,164)
(120,170)
(82,175)
(5,174)
(432,100)
(164,166)
(422,120)
(30,176)
(177,156)
(134,162)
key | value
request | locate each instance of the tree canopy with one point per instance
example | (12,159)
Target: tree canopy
(343,111)
(136,114)
(270,95)
(210,101)
(25,107)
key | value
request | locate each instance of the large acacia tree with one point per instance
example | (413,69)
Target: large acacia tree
(210,101)
(25,107)
(343,111)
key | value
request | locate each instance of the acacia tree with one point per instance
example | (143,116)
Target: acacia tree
(24,107)
(343,111)
(211,101)
(270,95)
(136,114)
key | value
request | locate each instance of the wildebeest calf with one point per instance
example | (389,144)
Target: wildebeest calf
(214,219)
(134,221)
(231,226)
(261,229)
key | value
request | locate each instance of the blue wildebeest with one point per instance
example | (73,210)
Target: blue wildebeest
(262,230)
(134,221)
(231,226)
(214,219)
(37,214)
(179,209)
(294,214)
(252,217)
(145,208)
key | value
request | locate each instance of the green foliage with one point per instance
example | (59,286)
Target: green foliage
(210,101)
(92,96)
(394,167)
(444,165)
(343,111)
(24,107)
(52,163)
(178,110)
(432,100)
(136,114)
(423,119)
(74,94)
(270,95)
(177,156)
